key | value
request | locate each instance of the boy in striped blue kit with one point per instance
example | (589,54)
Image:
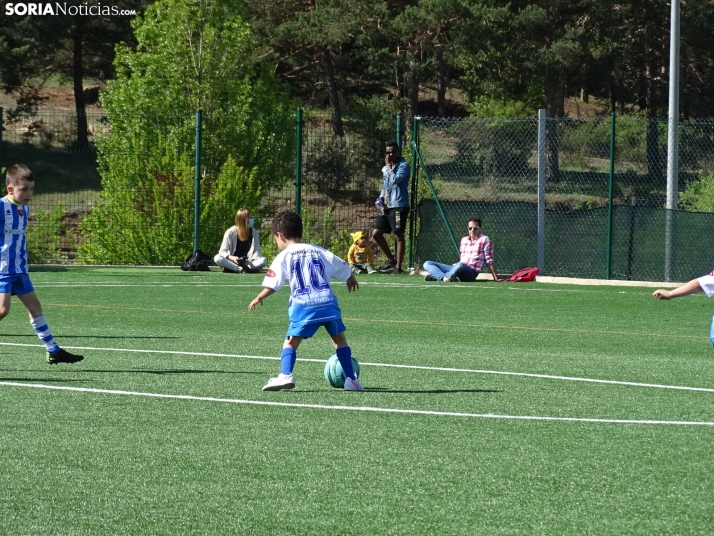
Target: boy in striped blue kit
(13,260)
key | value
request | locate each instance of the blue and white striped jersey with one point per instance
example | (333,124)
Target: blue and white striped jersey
(13,256)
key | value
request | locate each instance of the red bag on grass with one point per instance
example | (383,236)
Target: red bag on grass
(523,275)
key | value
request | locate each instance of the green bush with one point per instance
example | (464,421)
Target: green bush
(328,167)
(488,107)
(319,228)
(373,120)
(699,195)
(190,56)
(44,236)
(493,148)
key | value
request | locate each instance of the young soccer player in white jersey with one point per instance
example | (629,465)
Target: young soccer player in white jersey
(308,269)
(13,260)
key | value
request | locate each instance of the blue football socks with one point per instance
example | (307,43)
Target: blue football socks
(344,356)
(287,361)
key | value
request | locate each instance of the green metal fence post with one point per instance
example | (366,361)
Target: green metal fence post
(609,196)
(413,193)
(399,130)
(298,161)
(631,243)
(197,185)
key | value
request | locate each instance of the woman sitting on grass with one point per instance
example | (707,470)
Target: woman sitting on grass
(240,251)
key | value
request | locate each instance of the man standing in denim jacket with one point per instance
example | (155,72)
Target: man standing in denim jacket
(395,199)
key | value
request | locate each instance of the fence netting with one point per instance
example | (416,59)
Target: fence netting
(488,168)
(130,199)
(340,175)
(67,182)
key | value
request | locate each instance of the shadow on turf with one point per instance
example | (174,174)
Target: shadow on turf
(64,336)
(92,272)
(431,391)
(134,371)
(43,380)
(169,371)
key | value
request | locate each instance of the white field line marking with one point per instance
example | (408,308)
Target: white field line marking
(389,365)
(355,408)
(156,284)
(204,284)
(60,284)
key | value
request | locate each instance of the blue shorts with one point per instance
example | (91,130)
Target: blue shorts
(333,327)
(15,284)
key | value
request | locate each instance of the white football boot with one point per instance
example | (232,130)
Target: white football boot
(283,381)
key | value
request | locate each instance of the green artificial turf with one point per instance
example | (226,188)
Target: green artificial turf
(450,436)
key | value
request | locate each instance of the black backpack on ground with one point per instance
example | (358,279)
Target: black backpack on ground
(197,262)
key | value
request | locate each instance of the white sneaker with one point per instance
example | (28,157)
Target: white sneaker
(283,381)
(353,385)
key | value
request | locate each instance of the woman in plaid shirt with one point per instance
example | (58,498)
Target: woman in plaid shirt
(476,250)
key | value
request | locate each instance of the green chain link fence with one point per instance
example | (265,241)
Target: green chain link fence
(68,183)
(488,168)
(130,199)
(478,167)
(341,176)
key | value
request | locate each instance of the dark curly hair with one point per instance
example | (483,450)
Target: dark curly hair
(289,223)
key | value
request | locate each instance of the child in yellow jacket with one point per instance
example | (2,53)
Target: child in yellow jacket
(360,256)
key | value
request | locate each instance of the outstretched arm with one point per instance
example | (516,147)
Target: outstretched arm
(352,283)
(685,290)
(260,297)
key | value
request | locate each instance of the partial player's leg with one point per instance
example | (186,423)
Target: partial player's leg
(344,356)
(55,354)
(286,380)
(5,300)
(6,290)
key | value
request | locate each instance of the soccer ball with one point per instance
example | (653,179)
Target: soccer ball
(334,374)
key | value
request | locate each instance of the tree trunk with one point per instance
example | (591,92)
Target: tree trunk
(78,79)
(412,93)
(552,166)
(326,58)
(559,101)
(654,159)
(441,75)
